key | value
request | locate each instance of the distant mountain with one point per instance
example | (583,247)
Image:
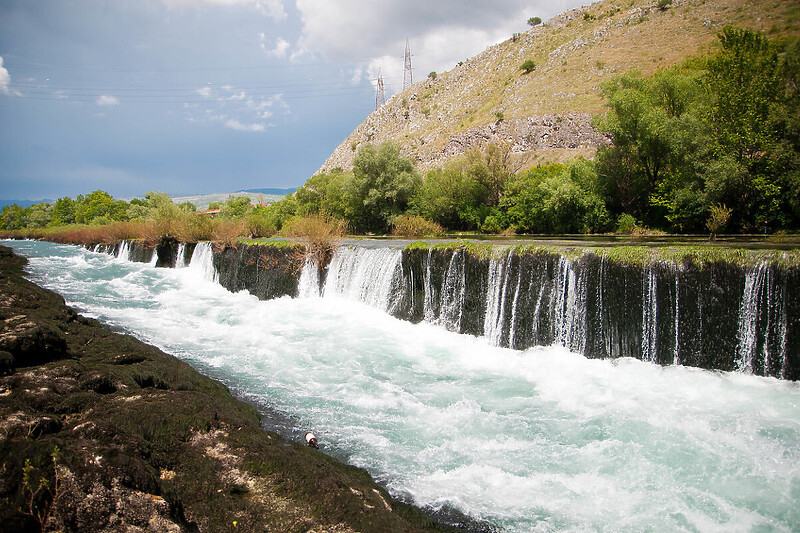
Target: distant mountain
(546,113)
(23,203)
(201,201)
(281,192)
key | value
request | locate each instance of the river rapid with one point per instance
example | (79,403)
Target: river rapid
(534,440)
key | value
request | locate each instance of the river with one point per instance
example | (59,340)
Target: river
(534,440)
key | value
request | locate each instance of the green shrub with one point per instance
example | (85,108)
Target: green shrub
(528,66)
(626,224)
(415,226)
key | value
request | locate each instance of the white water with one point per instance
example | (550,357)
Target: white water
(540,440)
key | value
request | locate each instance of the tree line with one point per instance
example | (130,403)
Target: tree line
(711,144)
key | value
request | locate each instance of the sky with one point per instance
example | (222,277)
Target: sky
(208,96)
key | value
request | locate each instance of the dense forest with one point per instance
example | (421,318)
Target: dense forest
(711,145)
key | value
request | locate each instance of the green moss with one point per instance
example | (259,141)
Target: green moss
(481,250)
(628,255)
(280,244)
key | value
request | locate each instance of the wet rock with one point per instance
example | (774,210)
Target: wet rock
(99,383)
(6,363)
(128,359)
(31,343)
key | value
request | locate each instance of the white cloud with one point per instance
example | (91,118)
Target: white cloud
(442,33)
(107,100)
(5,81)
(236,125)
(281,46)
(234,108)
(271,8)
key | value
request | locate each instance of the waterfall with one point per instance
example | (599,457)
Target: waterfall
(367,275)
(512,332)
(429,314)
(451,308)
(493,320)
(180,259)
(676,356)
(203,261)
(649,315)
(748,318)
(124,251)
(710,315)
(308,285)
(762,334)
(496,294)
(568,307)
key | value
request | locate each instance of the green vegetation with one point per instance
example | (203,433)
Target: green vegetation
(528,66)
(724,130)
(534,21)
(710,145)
(415,226)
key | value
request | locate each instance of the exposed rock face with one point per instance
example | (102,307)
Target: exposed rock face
(538,133)
(545,113)
(547,132)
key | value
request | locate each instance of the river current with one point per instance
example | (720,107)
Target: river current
(535,440)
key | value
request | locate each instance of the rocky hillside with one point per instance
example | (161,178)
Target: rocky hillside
(546,114)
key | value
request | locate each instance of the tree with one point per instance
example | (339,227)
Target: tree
(452,197)
(534,21)
(655,133)
(383,183)
(718,218)
(64,211)
(491,167)
(12,217)
(235,207)
(99,206)
(747,82)
(556,199)
(528,66)
(38,215)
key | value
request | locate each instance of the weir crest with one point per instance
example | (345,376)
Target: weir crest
(713,315)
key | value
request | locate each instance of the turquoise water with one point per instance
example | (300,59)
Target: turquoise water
(540,440)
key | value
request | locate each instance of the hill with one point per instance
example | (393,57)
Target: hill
(546,114)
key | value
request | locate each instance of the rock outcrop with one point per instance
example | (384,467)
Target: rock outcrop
(546,113)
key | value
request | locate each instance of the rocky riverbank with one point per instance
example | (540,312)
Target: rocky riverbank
(101,432)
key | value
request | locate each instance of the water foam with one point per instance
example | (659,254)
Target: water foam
(543,439)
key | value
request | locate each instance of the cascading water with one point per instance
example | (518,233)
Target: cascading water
(712,316)
(495,301)
(369,276)
(568,307)
(650,316)
(203,261)
(124,251)
(180,259)
(762,322)
(451,304)
(534,440)
(308,285)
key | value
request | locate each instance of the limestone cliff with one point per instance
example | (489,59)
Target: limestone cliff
(546,114)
